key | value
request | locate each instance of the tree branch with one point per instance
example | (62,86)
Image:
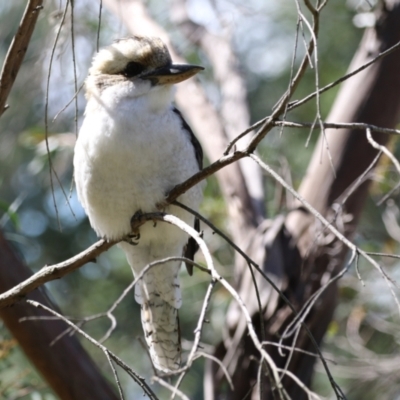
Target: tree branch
(297,103)
(49,273)
(233,111)
(17,50)
(138,379)
(52,272)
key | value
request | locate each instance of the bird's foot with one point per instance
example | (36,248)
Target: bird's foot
(133,238)
(136,222)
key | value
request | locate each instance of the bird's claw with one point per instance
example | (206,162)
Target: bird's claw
(133,238)
(136,222)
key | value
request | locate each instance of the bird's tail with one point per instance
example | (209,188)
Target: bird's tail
(161,327)
(158,292)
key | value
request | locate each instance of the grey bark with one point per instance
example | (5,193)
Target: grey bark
(299,253)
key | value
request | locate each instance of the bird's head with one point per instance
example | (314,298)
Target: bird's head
(140,58)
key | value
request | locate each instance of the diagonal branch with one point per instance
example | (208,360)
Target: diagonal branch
(52,272)
(233,111)
(17,50)
(385,53)
(138,379)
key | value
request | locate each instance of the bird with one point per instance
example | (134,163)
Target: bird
(133,147)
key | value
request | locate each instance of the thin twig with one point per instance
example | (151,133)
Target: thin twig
(197,333)
(171,219)
(309,353)
(309,304)
(221,365)
(385,53)
(338,125)
(386,196)
(99,25)
(331,125)
(69,102)
(272,283)
(74,66)
(383,149)
(329,226)
(116,377)
(138,379)
(294,55)
(173,389)
(310,393)
(284,100)
(397,256)
(46,112)
(358,182)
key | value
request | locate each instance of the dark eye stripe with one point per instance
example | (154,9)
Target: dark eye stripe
(132,69)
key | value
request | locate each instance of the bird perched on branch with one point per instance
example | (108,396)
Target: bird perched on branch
(132,149)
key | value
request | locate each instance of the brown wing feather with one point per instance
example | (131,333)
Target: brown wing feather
(192,246)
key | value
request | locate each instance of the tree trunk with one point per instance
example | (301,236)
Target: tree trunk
(65,365)
(299,255)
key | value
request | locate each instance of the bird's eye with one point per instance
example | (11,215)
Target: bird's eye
(132,69)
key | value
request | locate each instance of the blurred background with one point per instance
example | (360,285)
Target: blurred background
(41,217)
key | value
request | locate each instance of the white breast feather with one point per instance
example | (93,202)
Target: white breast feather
(130,152)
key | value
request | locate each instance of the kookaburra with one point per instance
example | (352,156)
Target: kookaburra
(133,148)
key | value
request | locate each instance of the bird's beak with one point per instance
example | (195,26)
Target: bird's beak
(171,74)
